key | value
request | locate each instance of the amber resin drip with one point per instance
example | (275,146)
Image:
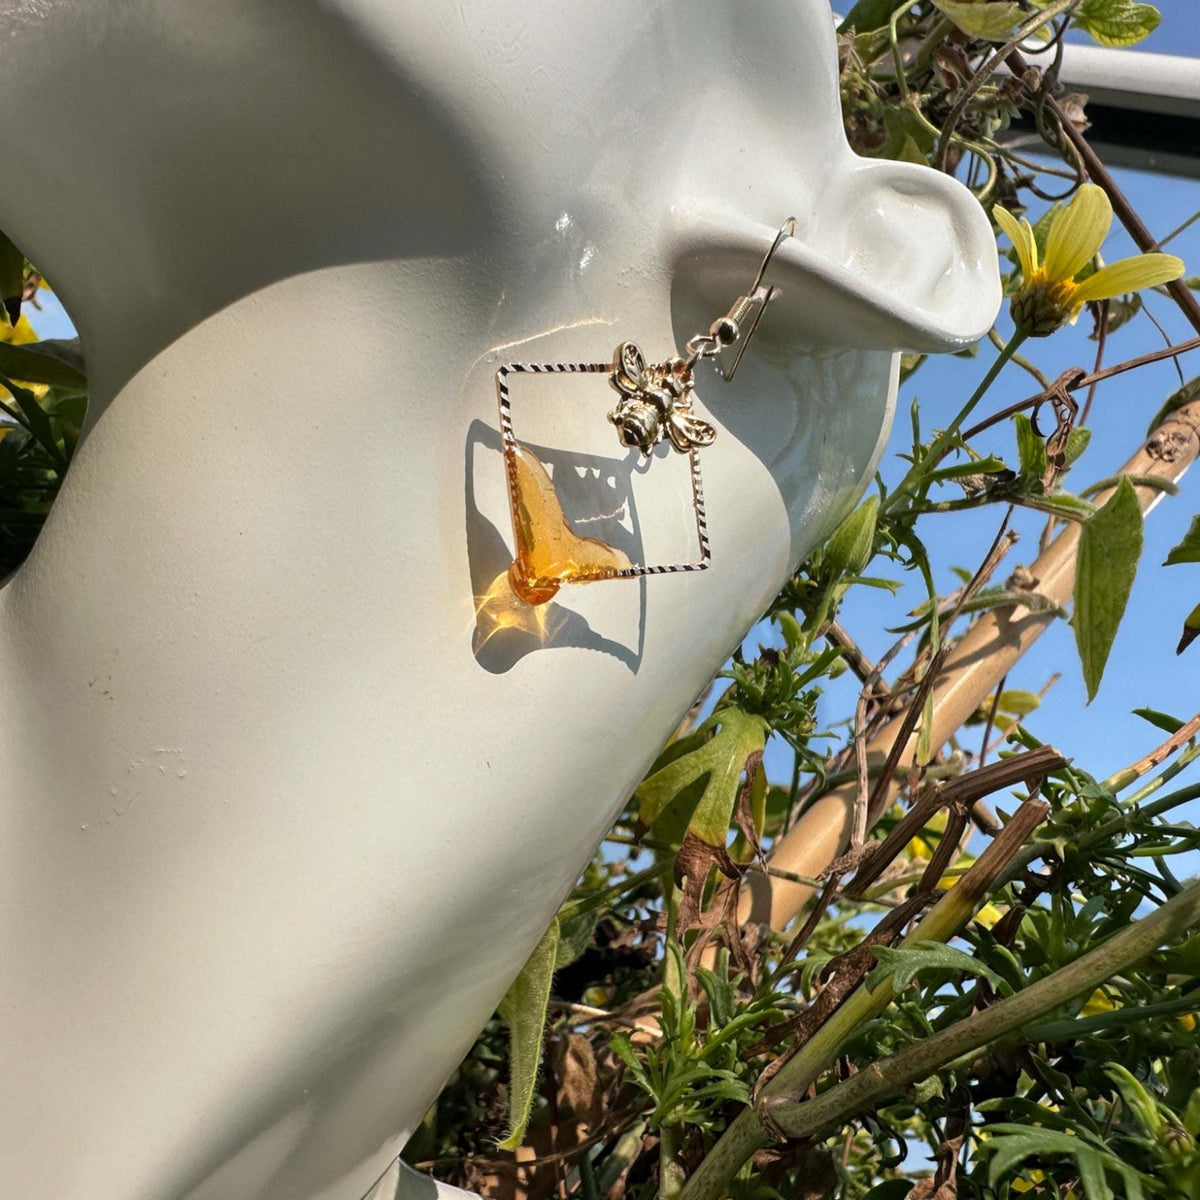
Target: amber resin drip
(549,552)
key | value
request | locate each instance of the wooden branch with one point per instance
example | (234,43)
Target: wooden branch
(983,656)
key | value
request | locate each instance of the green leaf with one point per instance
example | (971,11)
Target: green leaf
(1117,22)
(1189,549)
(869,14)
(981,466)
(1110,544)
(715,766)
(523,1010)
(891,1189)
(58,363)
(1160,720)
(1176,400)
(909,151)
(849,549)
(574,937)
(1010,1145)
(1059,504)
(1191,630)
(793,635)
(1031,450)
(991,19)
(36,418)
(1077,443)
(903,964)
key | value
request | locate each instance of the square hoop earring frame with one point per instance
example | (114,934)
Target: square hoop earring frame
(510,446)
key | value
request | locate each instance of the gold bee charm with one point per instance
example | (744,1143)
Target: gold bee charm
(655,405)
(656,402)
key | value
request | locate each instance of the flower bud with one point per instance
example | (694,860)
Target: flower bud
(1043,306)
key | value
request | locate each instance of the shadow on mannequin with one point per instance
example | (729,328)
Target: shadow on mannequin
(597,497)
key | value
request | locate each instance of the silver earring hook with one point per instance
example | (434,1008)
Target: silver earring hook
(727,330)
(786,230)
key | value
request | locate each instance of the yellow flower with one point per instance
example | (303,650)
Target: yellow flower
(1097,1004)
(1029,1181)
(1050,295)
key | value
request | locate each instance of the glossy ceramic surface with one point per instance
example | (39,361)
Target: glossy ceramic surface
(281,821)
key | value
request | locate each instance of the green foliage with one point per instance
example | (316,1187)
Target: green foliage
(1012,1145)
(1110,544)
(1189,549)
(1117,22)
(639,1031)
(523,1010)
(711,768)
(694,1070)
(903,965)
(992,19)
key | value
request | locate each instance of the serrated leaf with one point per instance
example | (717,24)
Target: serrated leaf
(904,963)
(991,19)
(523,1010)
(1117,22)
(1110,544)
(1189,549)
(715,767)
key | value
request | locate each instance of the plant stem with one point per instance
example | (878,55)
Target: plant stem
(748,1133)
(670,1172)
(882,1079)
(943,442)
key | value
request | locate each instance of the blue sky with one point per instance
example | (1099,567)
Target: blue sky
(1143,669)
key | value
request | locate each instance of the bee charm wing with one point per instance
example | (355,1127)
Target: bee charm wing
(687,431)
(629,370)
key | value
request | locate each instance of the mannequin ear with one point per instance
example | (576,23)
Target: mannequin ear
(891,256)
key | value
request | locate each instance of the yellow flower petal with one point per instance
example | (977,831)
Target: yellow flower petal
(1077,233)
(1021,235)
(1129,275)
(20,334)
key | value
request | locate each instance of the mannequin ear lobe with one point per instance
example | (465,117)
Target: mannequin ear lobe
(890,256)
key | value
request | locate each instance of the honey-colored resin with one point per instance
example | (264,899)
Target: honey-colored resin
(549,552)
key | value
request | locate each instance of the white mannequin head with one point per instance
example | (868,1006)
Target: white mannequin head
(301,834)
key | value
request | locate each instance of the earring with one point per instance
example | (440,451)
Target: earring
(655,405)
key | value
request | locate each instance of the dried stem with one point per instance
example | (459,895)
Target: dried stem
(754,1129)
